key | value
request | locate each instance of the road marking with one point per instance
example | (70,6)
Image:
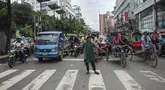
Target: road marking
(128,82)
(10,82)
(153,76)
(72,59)
(5,73)
(96,82)
(40,80)
(113,59)
(68,80)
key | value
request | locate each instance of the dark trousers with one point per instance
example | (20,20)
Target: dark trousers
(93,65)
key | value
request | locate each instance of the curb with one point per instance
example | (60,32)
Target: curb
(3,59)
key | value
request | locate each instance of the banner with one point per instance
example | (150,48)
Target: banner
(126,16)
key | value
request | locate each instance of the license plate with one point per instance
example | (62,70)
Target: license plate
(44,54)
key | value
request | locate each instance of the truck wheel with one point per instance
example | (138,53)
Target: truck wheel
(40,59)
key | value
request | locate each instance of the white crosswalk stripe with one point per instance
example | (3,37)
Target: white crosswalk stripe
(153,76)
(7,84)
(128,82)
(40,80)
(96,82)
(8,72)
(68,80)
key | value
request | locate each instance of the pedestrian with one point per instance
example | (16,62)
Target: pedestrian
(89,55)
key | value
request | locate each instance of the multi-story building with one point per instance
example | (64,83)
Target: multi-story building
(106,22)
(77,11)
(102,22)
(65,7)
(145,14)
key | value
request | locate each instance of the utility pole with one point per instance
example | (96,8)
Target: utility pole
(8,31)
(156,15)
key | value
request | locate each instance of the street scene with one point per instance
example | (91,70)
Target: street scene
(82,45)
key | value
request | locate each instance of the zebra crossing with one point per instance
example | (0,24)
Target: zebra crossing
(69,79)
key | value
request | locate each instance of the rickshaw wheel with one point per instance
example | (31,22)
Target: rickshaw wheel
(123,59)
(155,62)
(154,58)
(129,54)
(107,55)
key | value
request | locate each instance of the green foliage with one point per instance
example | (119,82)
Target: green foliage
(23,20)
(26,30)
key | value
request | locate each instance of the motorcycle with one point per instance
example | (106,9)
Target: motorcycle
(15,55)
(76,49)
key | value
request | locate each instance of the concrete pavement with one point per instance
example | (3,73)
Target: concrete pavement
(71,75)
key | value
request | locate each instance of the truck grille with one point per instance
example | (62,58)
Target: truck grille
(45,50)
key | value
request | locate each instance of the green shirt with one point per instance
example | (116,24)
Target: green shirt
(88,52)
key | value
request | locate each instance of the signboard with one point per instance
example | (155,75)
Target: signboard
(126,16)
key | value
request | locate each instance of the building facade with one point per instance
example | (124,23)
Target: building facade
(102,22)
(106,22)
(124,11)
(145,14)
(65,7)
(77,11)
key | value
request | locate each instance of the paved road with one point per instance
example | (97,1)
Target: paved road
(70,74)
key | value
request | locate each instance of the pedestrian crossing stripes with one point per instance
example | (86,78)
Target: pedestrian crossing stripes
(153,76)
(128,82)
(40,80)
(95,82)
(3,74)
(7,84)
(68,80)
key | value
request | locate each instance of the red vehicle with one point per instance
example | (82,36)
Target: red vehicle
(136,39)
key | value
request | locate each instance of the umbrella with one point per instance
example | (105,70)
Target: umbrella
(147,30)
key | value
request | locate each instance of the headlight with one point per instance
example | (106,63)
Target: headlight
(54,50)
(75,46)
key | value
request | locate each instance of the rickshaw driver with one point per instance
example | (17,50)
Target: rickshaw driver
(116,43)
(146,41)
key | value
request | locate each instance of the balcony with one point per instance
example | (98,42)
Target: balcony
(53,5)
(61,10)
(144,6)
(42,1)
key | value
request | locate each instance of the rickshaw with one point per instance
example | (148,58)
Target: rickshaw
(150,53)
(119,54)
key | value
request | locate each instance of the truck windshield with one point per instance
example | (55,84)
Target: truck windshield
(47,39)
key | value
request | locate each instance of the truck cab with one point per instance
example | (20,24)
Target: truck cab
(49,45)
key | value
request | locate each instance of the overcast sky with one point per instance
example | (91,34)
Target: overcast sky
(92,8)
